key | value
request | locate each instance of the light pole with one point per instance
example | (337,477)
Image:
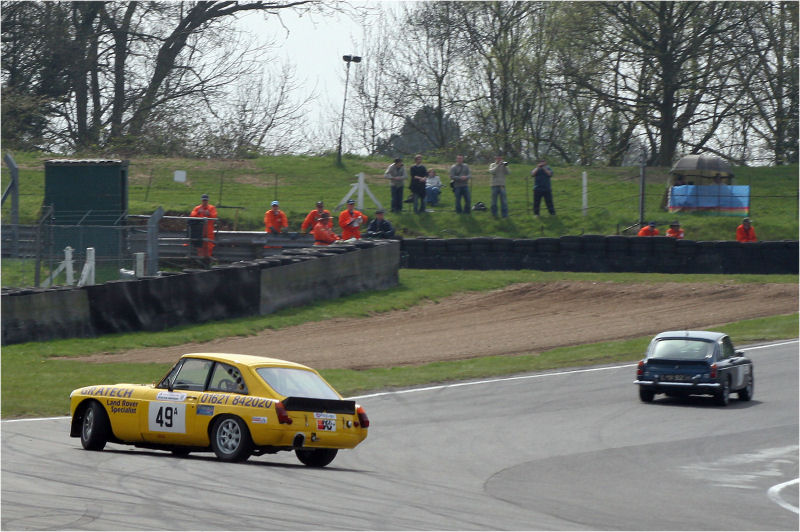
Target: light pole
(347,59)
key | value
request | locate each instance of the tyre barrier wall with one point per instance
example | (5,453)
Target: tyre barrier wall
(597,253)
(262,286)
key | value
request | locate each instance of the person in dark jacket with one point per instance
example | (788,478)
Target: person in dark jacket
(380,227)
(541,187)
(419,175)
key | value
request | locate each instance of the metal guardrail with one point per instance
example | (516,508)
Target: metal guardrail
(230,246)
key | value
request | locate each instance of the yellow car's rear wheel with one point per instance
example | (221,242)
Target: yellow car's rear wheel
(316,457)
(230,439)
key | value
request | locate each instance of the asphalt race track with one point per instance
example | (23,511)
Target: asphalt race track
(567,450)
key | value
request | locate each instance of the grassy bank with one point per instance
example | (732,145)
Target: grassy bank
(35,384)
(243,190)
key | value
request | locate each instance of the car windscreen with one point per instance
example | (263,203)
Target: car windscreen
(682,349)
(293,382)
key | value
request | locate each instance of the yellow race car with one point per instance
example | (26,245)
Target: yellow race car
(234,405)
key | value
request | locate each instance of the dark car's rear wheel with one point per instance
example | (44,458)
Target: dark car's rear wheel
(95,428)
(316,457)
(746,393)
(230,439)
(724,395)
(646,395)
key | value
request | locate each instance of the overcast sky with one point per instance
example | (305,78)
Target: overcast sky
(315,45)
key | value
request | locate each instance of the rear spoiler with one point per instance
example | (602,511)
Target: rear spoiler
(332,406)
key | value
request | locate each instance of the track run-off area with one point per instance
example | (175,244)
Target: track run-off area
(572,449)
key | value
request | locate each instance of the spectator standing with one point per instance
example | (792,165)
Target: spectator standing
(314,216)
(350,220)
(649,230)
(275,220)
(419,175)
(206,210)
(380,227)
(460,176)
(541,187)
(499,170)
(396,174)
(433,187)
(675,230)
(323,230)
(745,232)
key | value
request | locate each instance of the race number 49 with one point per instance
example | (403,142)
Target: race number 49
(167,417)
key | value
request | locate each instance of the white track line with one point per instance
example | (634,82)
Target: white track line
(459,384)
(537,376)
(774,493)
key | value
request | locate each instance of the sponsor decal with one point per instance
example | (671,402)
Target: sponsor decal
(121,406)
(205,410)
(109,391)
(254,402)
(324,415)
(260,420)
(215,398)
(171,396)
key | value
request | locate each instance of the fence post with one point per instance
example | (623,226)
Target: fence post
(585,194)
(87,275)
(68,262)
(139,264)
(152,241)
(13,189)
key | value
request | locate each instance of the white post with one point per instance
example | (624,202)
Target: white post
(360,201)
(68,265)
(87,275)
(139,264)
(585,194)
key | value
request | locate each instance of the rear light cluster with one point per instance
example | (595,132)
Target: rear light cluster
(363,420)
(640,369)
(713,371)
(283,415)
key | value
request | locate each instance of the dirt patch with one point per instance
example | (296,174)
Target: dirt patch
(519,319)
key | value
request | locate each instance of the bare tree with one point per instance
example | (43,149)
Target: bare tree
(262,117)
(123,62)
(374,81)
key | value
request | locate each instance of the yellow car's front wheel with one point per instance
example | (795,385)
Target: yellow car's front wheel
(230,439)
(95,428)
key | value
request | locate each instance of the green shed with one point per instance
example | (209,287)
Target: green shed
(89,198)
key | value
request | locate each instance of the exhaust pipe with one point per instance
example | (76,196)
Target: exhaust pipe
(299,440)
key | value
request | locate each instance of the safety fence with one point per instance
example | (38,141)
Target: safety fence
(249,288)
(597,253)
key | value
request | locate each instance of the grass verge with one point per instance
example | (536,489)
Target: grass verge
(35,384)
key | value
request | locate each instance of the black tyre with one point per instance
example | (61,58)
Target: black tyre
(95,427)
(316,457)
(230,439)
(746,393)
(723,397)
(646,395)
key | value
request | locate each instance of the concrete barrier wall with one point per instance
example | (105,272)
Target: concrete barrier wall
(29,315)
(326,276)
(195,296)
(596,253)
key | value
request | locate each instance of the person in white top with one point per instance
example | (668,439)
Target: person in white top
(433,187)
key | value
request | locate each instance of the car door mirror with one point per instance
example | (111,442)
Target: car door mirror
(739,353)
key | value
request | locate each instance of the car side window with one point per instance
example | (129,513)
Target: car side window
(226,378)
(727,348)
(192,375)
